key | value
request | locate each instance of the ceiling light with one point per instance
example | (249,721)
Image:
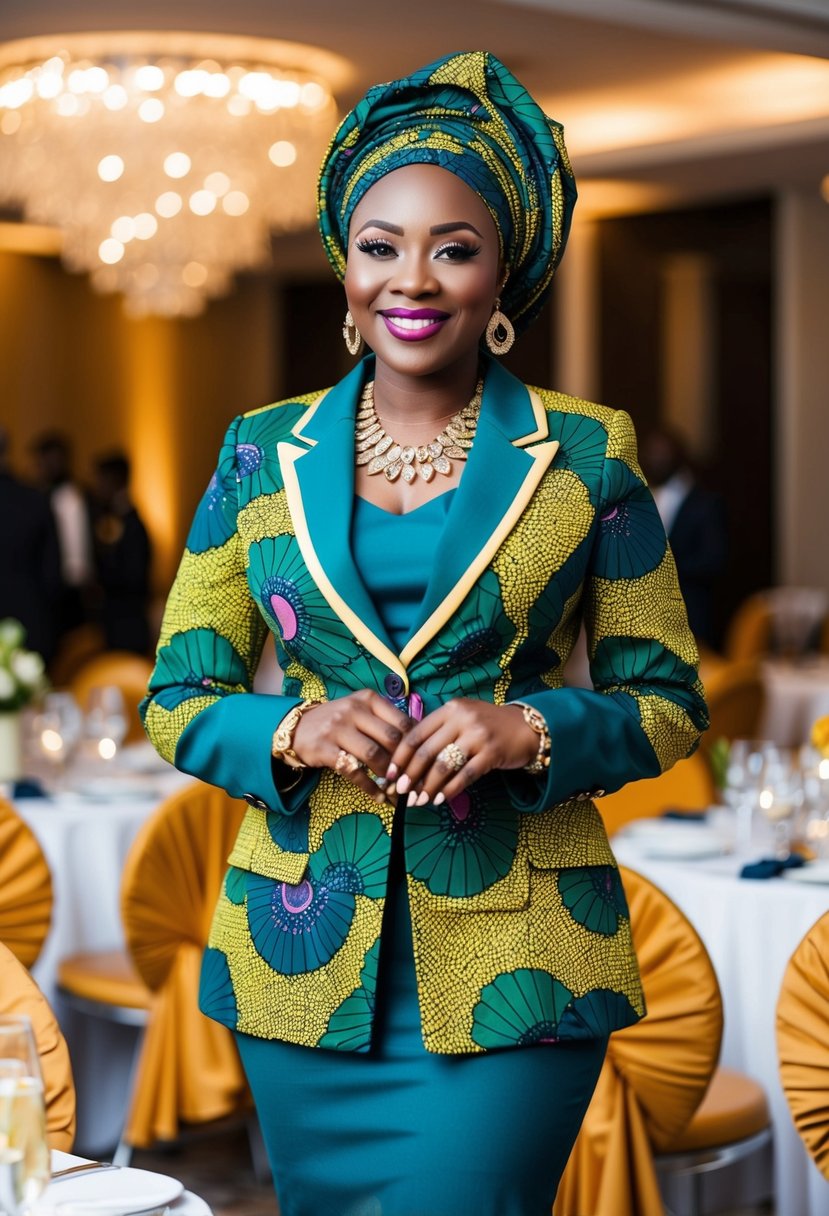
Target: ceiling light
(91,136)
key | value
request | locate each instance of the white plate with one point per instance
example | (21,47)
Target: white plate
(117,789)
(668,840)
(117,1192)
(142,758)
(813,872)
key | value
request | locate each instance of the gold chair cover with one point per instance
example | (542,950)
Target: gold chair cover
(129,672)
(735,693)
(19,994)
(656,1072)
(25,888)
(189,1068)
(803,1040)
(688,786)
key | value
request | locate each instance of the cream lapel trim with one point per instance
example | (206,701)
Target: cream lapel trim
(541,456)
(288,455)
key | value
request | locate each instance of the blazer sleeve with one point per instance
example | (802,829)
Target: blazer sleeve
(647,707)
(200,711)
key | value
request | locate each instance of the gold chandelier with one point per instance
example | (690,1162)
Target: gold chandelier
(165,159)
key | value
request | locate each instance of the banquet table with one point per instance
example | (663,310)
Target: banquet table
(750,929)
(796,693)
(86,829)
(187,1204)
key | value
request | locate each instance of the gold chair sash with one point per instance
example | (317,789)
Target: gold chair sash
(802,1028)
(189,1068)
(656,1072)
(19,994)
(25,888)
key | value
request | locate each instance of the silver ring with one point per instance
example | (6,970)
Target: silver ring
(346,763)
(452,758)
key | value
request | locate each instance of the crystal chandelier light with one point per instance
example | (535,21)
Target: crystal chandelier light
(165,159)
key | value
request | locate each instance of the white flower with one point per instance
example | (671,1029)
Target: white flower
(7,686)
(27,666)
(12,633)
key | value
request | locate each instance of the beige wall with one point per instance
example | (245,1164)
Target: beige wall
(162,390)
(803,389)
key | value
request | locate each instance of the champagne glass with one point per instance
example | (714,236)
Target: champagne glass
(25,1164)
(106,719)
(780,796)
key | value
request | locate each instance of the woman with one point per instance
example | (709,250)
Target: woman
(422,887)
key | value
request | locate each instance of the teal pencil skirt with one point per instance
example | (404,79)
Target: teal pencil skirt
(398,1131)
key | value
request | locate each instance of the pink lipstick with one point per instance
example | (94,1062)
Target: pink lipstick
(414,324)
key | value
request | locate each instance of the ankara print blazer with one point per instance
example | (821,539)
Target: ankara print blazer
(520,926)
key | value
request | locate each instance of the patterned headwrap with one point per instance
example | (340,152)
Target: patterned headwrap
(468,114)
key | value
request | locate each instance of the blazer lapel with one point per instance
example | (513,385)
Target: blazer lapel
(319,484)
(500,478)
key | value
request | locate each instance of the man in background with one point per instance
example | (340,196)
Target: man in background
(30,586)
(694,519)
(122,557)
(53,476)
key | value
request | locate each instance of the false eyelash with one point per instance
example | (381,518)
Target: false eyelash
(468,251)
(366,245)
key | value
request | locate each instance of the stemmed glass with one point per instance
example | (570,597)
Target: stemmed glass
(24,1153)
(780,796)
(58,727)
(743,777)
(106,719)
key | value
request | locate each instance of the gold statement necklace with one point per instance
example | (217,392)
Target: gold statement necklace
(376,448)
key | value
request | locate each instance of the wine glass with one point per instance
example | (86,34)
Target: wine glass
(781,794)
(742,786)
(106,719)
(58,727)
(25,1163)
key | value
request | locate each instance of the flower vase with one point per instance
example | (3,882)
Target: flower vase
(11,747)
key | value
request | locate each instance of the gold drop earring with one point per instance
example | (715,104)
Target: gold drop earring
(351,334)
(500,334)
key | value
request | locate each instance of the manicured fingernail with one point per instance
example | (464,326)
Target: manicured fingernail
(422,798)
(412,798)
(391,772)
(391,789)
(438,799)
(403,784)
(380,797)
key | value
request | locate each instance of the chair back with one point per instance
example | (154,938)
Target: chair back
(656,1072)
(127,671)
(802,1028)
(25,888)
(189,1069)
(780,620)
(735,694)
(19,994)
(688,786)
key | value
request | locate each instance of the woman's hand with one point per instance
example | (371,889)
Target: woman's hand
(362,727)
(456,745)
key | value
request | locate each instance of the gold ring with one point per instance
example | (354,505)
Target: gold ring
(452,757)
(346,763)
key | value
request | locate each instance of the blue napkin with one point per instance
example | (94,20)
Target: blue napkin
(685,816)
(28,787)
(771,867)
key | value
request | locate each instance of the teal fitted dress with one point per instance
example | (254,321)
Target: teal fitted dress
(399,1131)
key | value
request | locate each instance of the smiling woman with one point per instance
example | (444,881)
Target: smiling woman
(423,917)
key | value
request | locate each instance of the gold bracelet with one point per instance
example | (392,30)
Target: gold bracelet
(282,747)
(536,722)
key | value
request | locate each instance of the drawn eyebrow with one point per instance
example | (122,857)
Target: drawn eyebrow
(438,230)
(382,224)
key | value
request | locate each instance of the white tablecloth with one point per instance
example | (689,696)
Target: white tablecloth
(750,929)
(86,841)
(187,1204)
(796,694)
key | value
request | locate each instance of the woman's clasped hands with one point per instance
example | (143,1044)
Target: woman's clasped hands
(384,752)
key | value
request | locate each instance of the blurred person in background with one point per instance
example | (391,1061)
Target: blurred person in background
(30,585)
(53,476)
(122,557)
(695,521)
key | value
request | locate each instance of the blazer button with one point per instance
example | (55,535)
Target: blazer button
(252,800)
(393,685)
(598,793)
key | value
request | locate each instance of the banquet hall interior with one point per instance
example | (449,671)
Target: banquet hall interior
(160,273)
